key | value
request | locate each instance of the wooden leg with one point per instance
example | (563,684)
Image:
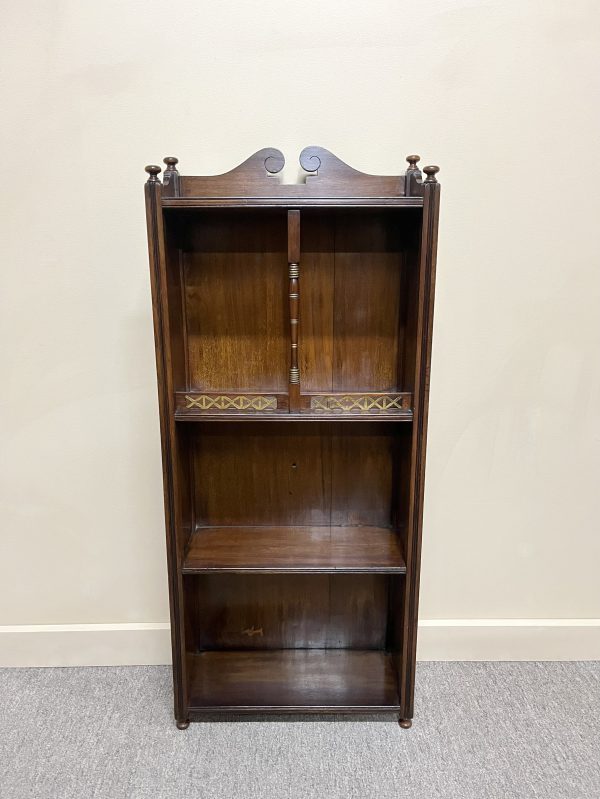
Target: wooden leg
(183,725)
(406,724)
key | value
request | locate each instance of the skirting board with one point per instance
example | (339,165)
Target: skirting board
(509,639)
(439,639)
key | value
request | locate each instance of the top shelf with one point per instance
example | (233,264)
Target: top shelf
(291,202)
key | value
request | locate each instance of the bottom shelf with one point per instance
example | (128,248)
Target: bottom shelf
(292,680)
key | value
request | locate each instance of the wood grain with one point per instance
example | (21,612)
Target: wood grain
(366,308)
(425,292)
(352,301)
(295,680)
(294,549)
(257,177)
(287,611)
(282,474)
(236,296)
(175,483)
(317,302)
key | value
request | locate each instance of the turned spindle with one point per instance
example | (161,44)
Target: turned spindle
(294,296)
(294,269)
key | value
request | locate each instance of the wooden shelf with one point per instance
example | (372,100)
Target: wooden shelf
(184,415)
(292,680)
(193,405)
(293,202)
(295,550)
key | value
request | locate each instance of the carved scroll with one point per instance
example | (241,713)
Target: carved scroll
(329,176)
(253,178)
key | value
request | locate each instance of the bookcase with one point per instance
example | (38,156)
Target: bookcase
(293,337)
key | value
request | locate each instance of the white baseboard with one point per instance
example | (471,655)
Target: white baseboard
(509,639)
(85,644)
(439,639)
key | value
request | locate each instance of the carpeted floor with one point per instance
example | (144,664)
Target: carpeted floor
(497,730)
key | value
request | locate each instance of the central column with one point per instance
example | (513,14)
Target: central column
(294,293)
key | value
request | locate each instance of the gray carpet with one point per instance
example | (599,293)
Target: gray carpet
(497,730)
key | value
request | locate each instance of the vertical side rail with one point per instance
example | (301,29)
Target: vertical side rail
(426,290)
(294,295)
(160,313)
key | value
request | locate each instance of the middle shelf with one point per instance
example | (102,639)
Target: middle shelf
(294,549)
(334,406)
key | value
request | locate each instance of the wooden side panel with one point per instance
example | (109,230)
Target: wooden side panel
(410,304)
(361,481)
(286,611)
(395,617)
(174,456)
(236,287)
(422,360)
(175,307)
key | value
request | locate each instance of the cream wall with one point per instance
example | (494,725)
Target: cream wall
(503,95)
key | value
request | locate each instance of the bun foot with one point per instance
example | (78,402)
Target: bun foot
(183,725)
(406,724)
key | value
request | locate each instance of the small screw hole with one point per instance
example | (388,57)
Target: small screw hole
(294,466)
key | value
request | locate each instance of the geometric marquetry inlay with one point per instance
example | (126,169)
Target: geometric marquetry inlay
(360,403)
(238,402)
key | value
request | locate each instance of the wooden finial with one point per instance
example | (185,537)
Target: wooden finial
(412,162)
(171,177)
(153,171)
(431,172)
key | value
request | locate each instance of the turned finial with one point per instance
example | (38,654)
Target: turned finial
(412,162)
(431,172)
(153,171)
(171,177)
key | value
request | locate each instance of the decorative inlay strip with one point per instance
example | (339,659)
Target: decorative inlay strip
(238,402)
(360,403)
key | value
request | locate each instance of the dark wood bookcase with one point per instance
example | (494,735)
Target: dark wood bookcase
(293,338)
